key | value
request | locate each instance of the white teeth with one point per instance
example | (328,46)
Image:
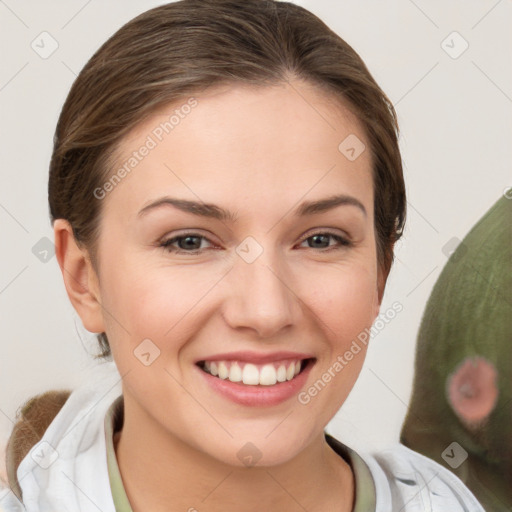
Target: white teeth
(251,374)
(290,372)
(235,373)
(281,373)
(268,375)
(223,370)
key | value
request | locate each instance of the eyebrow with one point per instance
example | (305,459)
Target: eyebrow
(216,212)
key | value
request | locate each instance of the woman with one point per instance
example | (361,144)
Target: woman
(254,131)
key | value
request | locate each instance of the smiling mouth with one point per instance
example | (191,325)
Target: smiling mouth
(251,374)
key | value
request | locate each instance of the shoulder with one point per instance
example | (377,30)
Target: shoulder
(413,482)
(32,420)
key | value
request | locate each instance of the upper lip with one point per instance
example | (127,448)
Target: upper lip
(256,357)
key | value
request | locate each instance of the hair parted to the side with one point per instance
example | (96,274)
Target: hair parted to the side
(185,47)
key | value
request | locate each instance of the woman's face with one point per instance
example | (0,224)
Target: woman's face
(266,285)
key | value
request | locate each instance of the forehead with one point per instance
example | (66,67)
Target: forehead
(272,143)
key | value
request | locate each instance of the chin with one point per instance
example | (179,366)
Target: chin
(257,451)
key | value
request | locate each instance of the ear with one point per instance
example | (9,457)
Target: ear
(80,279)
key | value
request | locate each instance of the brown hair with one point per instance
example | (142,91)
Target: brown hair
(32,420)
(185,47)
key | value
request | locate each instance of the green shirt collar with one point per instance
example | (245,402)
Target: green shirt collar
(113,423)
(365,493)
(365,496)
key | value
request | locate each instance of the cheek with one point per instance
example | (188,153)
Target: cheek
(343,303)
(163,303)
(344,298)
(159,304)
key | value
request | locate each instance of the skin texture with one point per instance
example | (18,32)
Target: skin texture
(257,152)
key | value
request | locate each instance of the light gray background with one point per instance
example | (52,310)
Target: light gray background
(456,124)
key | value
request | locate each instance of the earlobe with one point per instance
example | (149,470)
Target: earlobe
(79,276)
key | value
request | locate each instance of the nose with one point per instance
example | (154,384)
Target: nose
(260,296)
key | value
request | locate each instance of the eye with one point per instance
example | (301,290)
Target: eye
(321,238)
(189,243)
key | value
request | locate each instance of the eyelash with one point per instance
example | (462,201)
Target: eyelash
(166,244)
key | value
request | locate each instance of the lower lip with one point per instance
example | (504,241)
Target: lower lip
(258,395)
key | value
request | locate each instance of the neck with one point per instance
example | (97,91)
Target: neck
(159,469)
